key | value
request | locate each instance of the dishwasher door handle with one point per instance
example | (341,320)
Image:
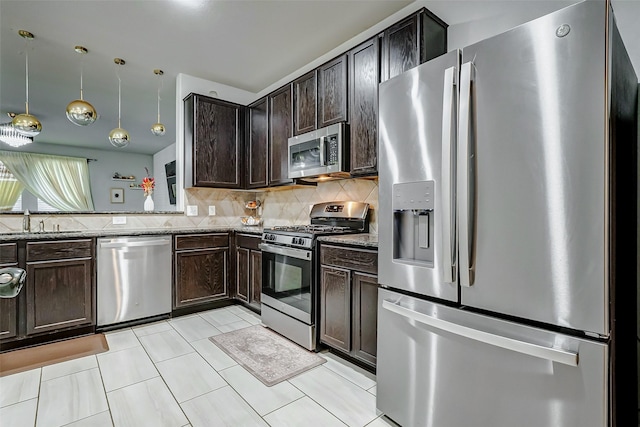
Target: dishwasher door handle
(135,244)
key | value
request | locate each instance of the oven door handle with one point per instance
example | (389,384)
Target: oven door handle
(282,250)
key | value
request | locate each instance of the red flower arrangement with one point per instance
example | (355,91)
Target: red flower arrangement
(148,184)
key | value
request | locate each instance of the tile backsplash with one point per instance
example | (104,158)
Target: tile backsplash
(280,206)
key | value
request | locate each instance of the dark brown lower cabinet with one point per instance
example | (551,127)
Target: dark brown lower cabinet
(59,289)
(248,269)
(8,306)
(59,295)
(349,301)
(201,269)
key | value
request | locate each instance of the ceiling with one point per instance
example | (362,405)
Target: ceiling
(249,45)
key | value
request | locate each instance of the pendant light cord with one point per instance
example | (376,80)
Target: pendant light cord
(159,87)
(119,93)
(26,62)
(81,77)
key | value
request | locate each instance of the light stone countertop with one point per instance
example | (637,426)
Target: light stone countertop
(365,240)
(48,235)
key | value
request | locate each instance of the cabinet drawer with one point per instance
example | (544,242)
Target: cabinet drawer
(8,253)
(248,242)
(59,249)
(202,241)
(353,259)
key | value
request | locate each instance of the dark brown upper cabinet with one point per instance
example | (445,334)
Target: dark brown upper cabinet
(304,103)
(257,144)
(412,41)
(213,140)
(364,77)
(332,92)
(280,111)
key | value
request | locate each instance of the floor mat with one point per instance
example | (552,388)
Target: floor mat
(270,357)
(24,359)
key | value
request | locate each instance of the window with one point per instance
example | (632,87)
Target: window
(45,207)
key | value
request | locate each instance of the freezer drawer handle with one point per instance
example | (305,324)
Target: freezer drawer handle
(535,350)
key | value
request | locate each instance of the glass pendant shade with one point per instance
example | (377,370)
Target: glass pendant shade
(80,112)
(25,123)
(119,137)
(158,128)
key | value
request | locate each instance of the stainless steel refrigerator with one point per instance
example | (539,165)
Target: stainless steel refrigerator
(507,259)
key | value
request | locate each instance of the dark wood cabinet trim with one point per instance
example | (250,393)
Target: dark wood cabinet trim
(243,273)
(354,259)
(335,330)
(305,95)
(257,152)
(280,109)
(365,333)
(333,92)
(364,77)
(201,241)
(181,299)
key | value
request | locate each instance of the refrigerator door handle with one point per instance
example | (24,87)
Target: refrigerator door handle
(549,353)
(464,193)
(448,211)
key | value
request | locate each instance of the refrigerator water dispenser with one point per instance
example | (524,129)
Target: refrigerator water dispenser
(413,222)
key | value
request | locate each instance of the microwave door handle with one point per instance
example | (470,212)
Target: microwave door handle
(448,153)
(465,185)
(322,153)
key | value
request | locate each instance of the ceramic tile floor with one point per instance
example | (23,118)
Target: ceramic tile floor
(169,374)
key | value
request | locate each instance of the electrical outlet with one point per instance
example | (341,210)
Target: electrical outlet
(192,210)
(212,210)
(119,220)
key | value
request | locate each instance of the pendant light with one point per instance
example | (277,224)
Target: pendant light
(10,136)
(158,128)
(80,112)
(26,124)
(119,137)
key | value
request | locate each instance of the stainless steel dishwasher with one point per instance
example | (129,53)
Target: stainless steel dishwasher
(134,278)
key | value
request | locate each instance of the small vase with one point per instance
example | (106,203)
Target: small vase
(148,203)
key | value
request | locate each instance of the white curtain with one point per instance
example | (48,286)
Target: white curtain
(62,182)
(10,189)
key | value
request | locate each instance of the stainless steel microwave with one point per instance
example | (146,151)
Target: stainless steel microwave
(321,153)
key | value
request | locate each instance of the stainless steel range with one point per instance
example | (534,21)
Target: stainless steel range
(290,268)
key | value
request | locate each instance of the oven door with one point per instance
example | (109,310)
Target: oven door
(287,280)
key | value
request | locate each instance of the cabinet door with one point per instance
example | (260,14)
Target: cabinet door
(304,103)
(332,92)
(365,317)
(59,294)
(8,317)
(335,307)
(401,48)
(364,76)
(255,287)
(200,276)
(213,142)
(9,306)
(257,147)
(243,273)
(280,130)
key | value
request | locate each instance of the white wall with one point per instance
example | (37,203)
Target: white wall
(161,193)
